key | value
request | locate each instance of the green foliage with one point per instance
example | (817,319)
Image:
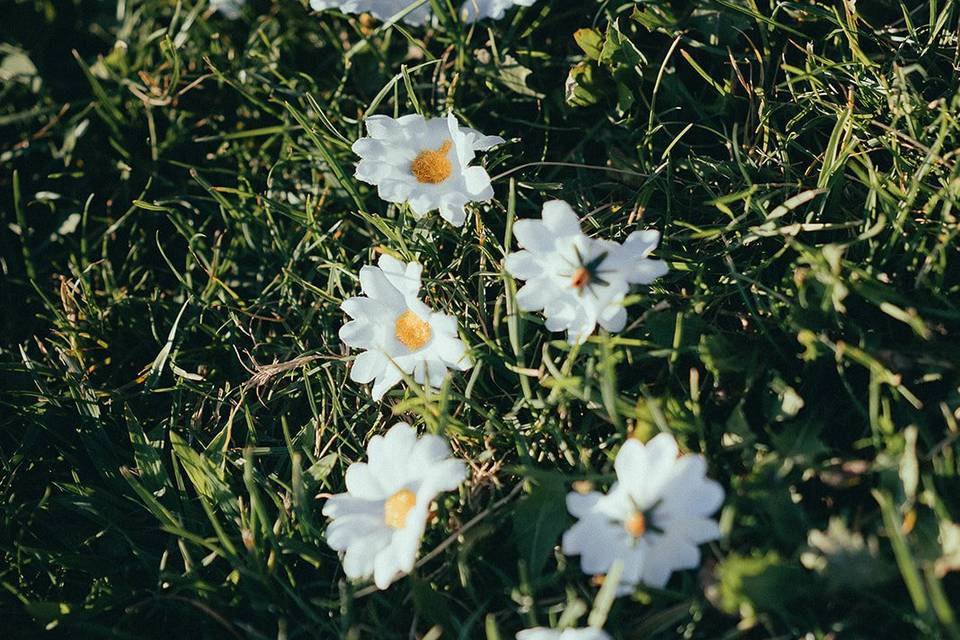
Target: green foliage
(181,224)
(538,521)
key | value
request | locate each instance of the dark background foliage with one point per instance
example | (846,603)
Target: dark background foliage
(178,234)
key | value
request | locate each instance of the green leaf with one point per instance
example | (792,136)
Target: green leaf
(514,76)
(320,469)
(431,604)
(591,41)
(845,559)
(582,89)
(204,475)
(538,521)
(799,441)
(654,18)
(728,354)
(618,52)
(759,584)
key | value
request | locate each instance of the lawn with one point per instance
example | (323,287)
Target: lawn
(179,401)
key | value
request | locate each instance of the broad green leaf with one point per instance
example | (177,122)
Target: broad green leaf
(591,41)
(538,521)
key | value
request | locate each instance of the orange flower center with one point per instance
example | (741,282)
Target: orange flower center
(581,277)
(636,525)
(411,331)
(397,507)
(432,167)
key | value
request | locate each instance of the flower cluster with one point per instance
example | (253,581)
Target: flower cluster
(653,518)
(651,521)
(577,281)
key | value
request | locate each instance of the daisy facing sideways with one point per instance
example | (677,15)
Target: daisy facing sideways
(397,331)
(379,521)
(425,162)
(652,519)
(470,10)
(542,633)
(577,281)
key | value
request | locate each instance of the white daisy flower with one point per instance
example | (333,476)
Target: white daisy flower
(379,521)
(230,9)
(397,331)
(426,163)
(578,282)
(652,519)
(470,10)
(379,9)
(473,10)
(542,633)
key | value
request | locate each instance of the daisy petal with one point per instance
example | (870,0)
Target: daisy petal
(384,382)
(523,265)
(376,285)
(363,483)
(358,334)
(533,236)
(581,504)
(532,297)
(559,218)
(477,181)
(646,271)
(367,365)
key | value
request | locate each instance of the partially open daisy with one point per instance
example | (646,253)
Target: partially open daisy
(379,521)
(652,518)
(397,331)
(578,282)
(379,9)
(425,162)
(542,633)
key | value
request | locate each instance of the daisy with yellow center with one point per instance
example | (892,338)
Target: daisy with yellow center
(432,167)
(411,331)
(426,163)
(652,519)
(396,332)
(379,521)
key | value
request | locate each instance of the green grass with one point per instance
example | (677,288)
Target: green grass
(181,225)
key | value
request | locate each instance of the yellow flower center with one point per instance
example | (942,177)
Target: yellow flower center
(432,167)
(636,525)
(581,278)
(397,507)
(411,331)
